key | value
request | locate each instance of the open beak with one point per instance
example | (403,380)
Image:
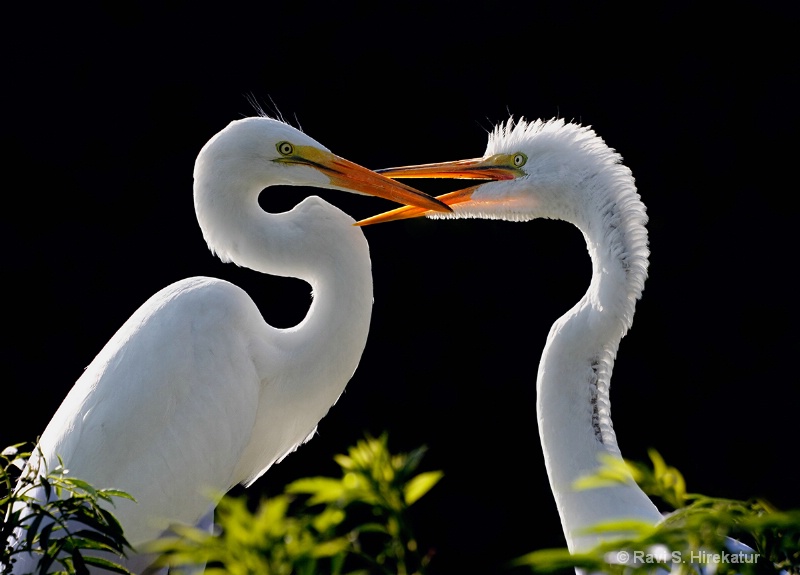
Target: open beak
(349,176)
(497,167)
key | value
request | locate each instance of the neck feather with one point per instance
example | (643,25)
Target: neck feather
(311,362)
(573,405)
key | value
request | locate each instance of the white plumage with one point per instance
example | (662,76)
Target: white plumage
(196,392)
(553,169)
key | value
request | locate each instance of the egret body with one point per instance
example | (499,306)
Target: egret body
(553,169)
(196,393)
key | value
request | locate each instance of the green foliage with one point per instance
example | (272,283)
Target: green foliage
(269,541)
(695,533)
(62,529)
(357,523)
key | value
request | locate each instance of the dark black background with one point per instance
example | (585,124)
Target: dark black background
(105,107)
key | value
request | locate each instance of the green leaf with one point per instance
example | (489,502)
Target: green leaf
(549,560)
(611,472)
(47,487)
(80,484)
(372,528)
(321,489)
(634,526)
(44,536)
(331,547)
(419,485)
(344,461)
(105,564)
(33,529)
(117,493)
(328,519)
(109,541)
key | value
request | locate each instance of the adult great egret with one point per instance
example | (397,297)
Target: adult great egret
(196,393)
(558,170)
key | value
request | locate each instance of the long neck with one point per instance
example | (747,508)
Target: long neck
(317,243)
(573,406)
(310,363)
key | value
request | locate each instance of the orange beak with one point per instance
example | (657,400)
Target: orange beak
(346,175)
(414,212)
(497,167)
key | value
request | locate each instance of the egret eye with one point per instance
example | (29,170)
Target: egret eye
(519,160)
(285,148)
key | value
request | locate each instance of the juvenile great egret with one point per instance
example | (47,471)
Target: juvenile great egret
(564,171)
(196,393)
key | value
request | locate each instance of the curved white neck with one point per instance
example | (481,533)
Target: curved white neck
(316,242)
(573,407)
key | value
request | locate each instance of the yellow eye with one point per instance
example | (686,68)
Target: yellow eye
(519,160)
(285,148)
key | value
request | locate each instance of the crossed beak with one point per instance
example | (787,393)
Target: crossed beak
(497,167)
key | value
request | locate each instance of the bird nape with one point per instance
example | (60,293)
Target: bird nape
(196,393)
(553,169)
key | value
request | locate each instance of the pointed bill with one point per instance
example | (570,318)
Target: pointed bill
(346,175)
(497,167)
(414,212)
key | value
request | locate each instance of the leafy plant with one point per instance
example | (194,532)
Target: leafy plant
(357,523)
(56,517)
(701,531)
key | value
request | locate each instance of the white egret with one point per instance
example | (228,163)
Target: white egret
(196,393)
(558,170)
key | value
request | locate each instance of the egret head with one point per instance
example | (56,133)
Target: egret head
(534,169)
(252,154)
